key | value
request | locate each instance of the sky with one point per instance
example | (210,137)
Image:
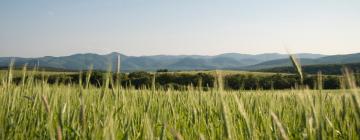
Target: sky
(176,27)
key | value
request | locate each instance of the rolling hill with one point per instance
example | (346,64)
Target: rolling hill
(334,59)
(171,62)
(328,69)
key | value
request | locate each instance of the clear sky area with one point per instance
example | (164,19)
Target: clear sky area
(31,28)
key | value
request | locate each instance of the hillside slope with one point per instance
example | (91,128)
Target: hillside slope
(328,69)
(134,63)
(334,59)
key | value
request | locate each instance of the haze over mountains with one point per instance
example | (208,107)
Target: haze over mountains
(178,62)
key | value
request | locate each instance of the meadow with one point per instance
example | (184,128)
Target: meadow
(38,110)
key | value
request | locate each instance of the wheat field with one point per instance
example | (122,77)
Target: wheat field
(37,110)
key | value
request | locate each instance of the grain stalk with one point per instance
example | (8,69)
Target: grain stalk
(82,121)
(320,82)
(88,77)
(219,83)
(279,126)
(147,130)
(46,103)
(350,80)
(153,83)
(296,64)
(201,137)
(59,129)
(243,113)
(10,72)
(109,133)
(59,133)
(23,79)
(163,131)
(118,74)
(225,116)
(176,135)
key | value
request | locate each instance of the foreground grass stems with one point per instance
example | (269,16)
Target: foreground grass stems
(37,110)
(60,126)
(10,73)
(224,107)
(350,80)
(88,77)
(351,84)
(23,79)
(118,65)
(82,120)
(46,103)
(226,118)
(147,130)
(320,82)
(279,126)
(118,86)
(296,64)
(176,135)
(244,115)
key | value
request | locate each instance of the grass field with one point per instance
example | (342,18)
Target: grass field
(41,111)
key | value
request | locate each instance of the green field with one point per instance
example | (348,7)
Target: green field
(37,110)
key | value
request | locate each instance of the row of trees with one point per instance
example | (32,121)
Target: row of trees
(206,81)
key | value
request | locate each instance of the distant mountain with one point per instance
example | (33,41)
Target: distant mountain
(279,63)
(327,69)
(172,62)
(340,59)
(334,59)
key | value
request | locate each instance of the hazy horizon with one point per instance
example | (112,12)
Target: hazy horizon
(187,27)
(178,54)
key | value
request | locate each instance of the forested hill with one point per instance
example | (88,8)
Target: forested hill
(329,69)
(234,61)
(333,59)
(134,63)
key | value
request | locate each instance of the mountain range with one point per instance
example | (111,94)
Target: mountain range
(177,62)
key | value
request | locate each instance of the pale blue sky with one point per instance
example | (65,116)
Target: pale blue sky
(32,28)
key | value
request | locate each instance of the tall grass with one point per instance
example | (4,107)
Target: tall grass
(296,64)
(36,110)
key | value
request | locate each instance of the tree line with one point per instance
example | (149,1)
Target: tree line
(178,81)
